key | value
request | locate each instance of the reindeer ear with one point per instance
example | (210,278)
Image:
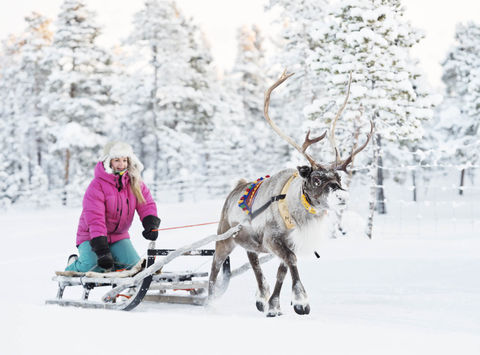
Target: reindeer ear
(304,171)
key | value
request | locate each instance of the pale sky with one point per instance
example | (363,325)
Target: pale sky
(220,18)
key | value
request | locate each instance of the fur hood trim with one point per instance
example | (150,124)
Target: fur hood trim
(119,149)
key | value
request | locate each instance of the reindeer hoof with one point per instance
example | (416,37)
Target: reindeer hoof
(260,306)
(301,309)
(274,313)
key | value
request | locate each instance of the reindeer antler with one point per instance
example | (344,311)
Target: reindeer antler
(334,122)
(307,142)
(339,163)
(347,161)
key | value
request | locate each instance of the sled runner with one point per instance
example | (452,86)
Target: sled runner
(192,285)
(147,281)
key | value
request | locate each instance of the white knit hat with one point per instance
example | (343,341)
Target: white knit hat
(119,149)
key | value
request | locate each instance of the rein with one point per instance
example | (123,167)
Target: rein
(179,227)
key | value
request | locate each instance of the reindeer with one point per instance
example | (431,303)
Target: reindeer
(292,201)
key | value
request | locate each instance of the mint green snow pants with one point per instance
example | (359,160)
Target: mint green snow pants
(124,255)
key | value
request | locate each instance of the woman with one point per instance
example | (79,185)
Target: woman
(109,205)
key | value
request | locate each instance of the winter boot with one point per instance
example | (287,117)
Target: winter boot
(71,259)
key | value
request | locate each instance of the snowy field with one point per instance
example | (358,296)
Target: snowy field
(415,292)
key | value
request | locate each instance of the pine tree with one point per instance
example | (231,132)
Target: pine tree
(227,155)
(257,143)
(299,21)
(131,89)
(461,75)
(33,72)
(77,96)
(371,40)
(14,160)
(178,92)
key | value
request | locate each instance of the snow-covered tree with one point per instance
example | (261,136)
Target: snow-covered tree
(77,95)
(261,151)
(14,161)
(22,77)
(413,159)
(227,154)
(371,40)
(299,21)
(174,90)
(33,72)
(461,75)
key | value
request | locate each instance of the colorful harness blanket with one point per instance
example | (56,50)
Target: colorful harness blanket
(248,197)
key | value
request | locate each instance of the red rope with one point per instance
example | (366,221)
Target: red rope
(187,226)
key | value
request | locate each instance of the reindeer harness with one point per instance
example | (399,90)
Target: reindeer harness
(248,198)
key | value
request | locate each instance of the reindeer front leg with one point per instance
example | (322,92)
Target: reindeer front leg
(279,247)
(263,290)
(274,302)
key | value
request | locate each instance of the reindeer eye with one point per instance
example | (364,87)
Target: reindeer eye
(317,182)
(333,186)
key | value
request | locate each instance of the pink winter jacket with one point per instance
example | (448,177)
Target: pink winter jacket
(108,207)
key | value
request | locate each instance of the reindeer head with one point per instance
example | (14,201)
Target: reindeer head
(318,185)
(319,180)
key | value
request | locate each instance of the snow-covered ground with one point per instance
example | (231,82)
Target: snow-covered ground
(399,293)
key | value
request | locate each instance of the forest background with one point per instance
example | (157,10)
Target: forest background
(198,127)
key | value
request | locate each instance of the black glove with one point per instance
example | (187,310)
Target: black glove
(104,256)
(149,224)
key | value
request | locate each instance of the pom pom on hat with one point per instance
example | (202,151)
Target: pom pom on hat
(119,149)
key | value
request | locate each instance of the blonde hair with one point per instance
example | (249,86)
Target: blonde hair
(135,181)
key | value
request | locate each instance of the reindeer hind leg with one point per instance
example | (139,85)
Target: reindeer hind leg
(223,249)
